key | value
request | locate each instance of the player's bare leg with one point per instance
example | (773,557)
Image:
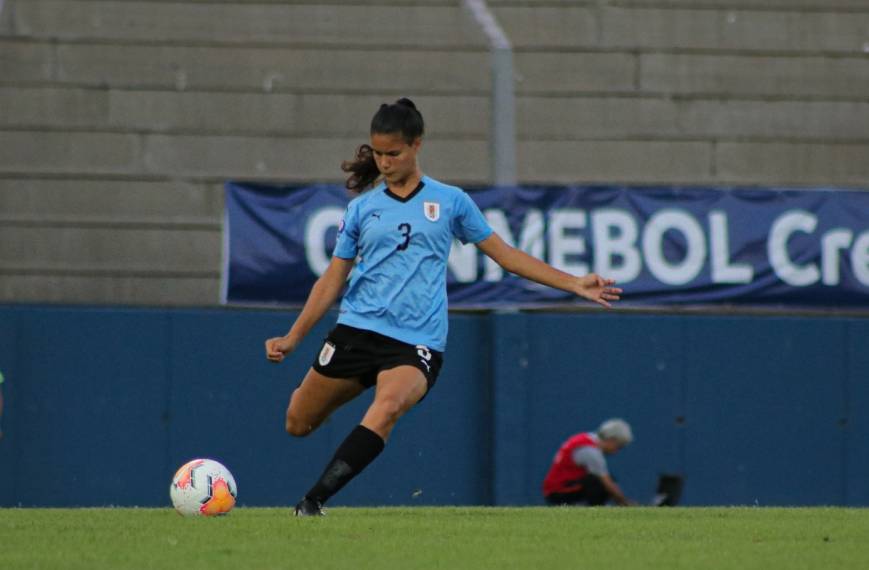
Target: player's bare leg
(315,399)
(398,390)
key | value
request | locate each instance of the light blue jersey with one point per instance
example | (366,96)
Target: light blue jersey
(401,245)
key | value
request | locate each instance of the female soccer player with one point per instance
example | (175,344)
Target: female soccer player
(392,326)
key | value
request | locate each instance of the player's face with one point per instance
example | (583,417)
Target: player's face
(395,159)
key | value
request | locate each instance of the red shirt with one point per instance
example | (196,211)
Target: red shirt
(564,475)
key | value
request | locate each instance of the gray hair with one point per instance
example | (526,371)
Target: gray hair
(617,429)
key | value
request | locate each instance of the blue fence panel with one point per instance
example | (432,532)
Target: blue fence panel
(228,402)
(856,421)
(511,392)
(586,368)
(90,407)
(104,404)
(9,422)
(562,374)
(763,398)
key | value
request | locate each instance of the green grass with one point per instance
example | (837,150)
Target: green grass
(449,538)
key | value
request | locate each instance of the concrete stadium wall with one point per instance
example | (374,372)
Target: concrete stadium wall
(119,120)
(104,404)
(724,92)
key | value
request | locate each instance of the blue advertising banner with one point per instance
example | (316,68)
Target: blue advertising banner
(664,245)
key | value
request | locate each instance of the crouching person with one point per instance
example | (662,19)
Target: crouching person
(579,474)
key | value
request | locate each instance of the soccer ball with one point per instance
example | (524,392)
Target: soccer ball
(203,487)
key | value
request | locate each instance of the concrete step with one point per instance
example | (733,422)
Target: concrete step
(784,77)
(790,5)
(302,159)
(216,158)
(427,26)
(24,62)
(155,289)
(70,153)
(798,164)
(70,248)
(662,117)
(736,30)
(273,69)
(724,163)
(88,202)
(723,29)
(640,162)
(559,73)
(230,113)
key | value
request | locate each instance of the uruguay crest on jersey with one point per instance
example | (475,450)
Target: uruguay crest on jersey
(432,211)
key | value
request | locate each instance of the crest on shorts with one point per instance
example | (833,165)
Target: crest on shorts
(432,211)
(326,354)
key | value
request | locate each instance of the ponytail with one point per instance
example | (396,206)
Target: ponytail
(363,170)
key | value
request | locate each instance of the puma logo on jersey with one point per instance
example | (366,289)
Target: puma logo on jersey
(424,355)
(375,215)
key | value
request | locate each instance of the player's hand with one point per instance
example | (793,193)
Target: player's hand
(278,348)
(595,288)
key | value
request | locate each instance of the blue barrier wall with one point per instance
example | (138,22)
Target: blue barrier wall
(752,410)
(103,404)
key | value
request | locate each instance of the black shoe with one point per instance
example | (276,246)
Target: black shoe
(308,508)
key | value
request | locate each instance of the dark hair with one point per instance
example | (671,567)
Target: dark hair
(401,117)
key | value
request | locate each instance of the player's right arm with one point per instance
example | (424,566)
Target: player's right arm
(323,295)
(592,286)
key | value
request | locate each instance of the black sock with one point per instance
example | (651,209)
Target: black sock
(352,456)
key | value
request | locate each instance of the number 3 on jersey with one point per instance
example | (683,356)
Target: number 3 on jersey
(405,233)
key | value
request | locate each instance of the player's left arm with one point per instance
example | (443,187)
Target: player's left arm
(592,286)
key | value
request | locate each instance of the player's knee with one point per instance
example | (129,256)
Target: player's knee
(296,426)
(390,409)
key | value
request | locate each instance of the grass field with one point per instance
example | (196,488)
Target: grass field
(417,537)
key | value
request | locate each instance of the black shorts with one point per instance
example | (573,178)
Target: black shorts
(349,352)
